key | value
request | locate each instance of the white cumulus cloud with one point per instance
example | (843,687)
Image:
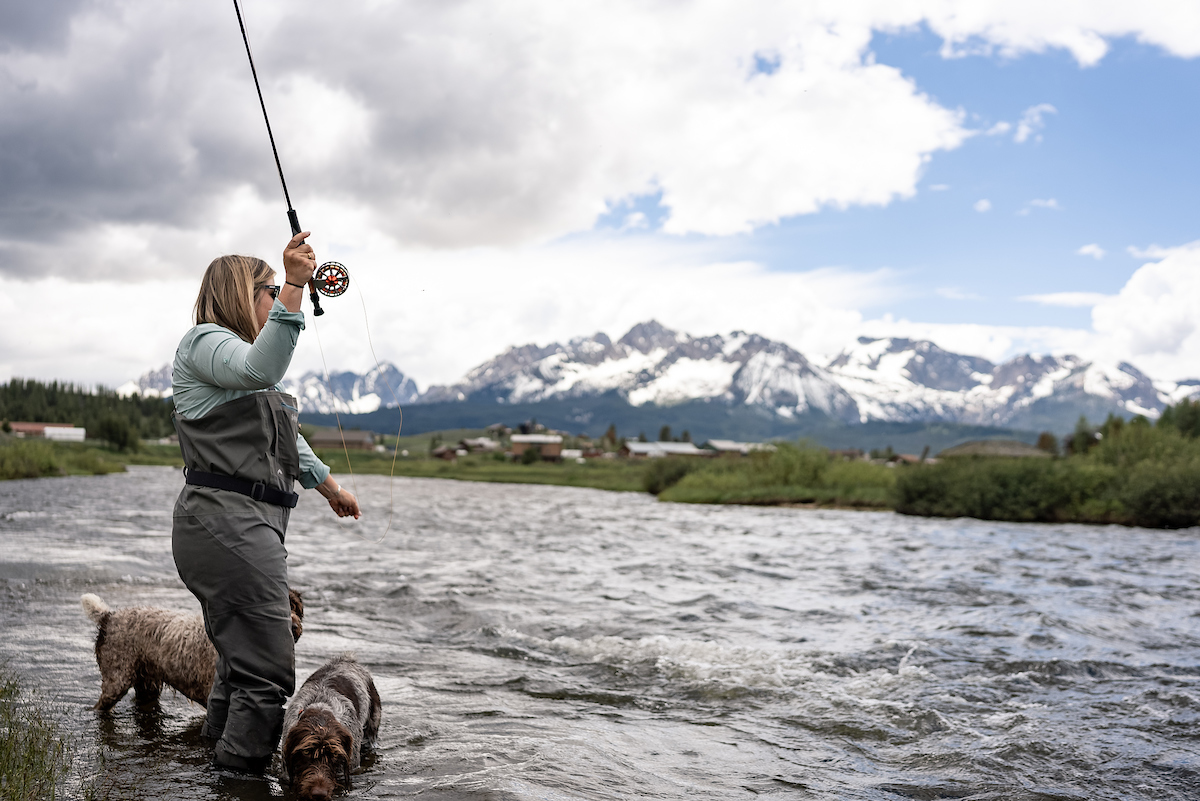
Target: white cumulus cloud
(1032,122)
(1093,250)
(1154,320)
(1068,299)
(982,205)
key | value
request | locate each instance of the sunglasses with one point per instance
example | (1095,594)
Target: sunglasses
(273,289)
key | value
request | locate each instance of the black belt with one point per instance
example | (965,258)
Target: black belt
(255,489)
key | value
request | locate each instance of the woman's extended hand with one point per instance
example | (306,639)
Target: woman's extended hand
(345,504)
(341,501)
(299,261)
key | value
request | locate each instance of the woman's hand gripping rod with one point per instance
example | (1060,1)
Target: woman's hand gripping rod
(312,286)
(330,278)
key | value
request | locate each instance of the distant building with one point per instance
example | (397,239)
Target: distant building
(848,454)
(479,445)
(728,446)
(994,447)
(62,432)
(657,450)
(444,452)
(355,440)
(550,445)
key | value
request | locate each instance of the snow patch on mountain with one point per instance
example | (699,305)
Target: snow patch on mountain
(686,379)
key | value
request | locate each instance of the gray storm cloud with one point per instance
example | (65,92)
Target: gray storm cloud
(128,129)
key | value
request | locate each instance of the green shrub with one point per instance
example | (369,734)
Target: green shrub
(1034,490)
(792,473)
(1163,495)
(117,431)
(666,472)
(28,459)
(35,756)
(1133,473)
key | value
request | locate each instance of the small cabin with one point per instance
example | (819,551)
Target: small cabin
(479,445)
(550,445)
(62,432)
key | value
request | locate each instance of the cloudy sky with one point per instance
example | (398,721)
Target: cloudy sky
(999,177)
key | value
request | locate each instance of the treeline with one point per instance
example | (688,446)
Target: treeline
(1129,472)
(105,415)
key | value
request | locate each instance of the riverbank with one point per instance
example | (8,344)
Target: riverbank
(1129,473)
(39,458)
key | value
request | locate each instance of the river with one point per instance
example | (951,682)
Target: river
(534,642)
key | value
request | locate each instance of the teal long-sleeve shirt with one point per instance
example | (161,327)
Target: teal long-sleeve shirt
(213,365)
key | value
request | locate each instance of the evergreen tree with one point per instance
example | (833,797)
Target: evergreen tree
(1047,442)
(1184,416)
(610,435)
(664,434)
(1083,439)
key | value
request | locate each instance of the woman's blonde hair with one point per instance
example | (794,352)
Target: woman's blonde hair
(227,294)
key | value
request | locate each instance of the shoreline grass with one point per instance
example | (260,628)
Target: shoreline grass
(607,474)
(36,756)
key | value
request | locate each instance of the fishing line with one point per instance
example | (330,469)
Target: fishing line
(330,279)
(338,418)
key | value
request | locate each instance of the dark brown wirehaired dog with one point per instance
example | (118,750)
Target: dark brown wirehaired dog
(143,648)
(330,720)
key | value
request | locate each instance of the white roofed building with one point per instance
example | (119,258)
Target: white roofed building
(657,450)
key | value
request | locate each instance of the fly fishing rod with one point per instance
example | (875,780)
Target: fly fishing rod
(331,278)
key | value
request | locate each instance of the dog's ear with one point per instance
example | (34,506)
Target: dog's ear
(296,602)
(347,745)
(291,748)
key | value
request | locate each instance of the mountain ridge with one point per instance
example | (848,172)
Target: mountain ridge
(889,379)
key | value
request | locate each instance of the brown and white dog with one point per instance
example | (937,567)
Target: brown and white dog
(143,648)
(330,720)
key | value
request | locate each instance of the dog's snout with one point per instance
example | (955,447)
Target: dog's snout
(321,790)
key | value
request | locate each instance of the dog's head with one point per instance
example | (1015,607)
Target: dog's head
(317,755)
(297,605)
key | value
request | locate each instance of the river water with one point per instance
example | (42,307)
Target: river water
(538,642)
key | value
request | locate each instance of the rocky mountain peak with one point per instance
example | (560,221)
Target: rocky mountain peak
(649,336)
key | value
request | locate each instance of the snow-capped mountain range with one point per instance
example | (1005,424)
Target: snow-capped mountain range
(890,379)
(345,392)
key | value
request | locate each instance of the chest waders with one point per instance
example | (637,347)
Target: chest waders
(227,538)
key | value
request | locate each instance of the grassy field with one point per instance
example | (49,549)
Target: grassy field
(608,474)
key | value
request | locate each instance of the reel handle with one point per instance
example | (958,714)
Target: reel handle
(312,287)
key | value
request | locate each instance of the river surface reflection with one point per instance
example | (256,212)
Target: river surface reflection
(555,643)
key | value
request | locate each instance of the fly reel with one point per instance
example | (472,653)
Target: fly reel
(331,279)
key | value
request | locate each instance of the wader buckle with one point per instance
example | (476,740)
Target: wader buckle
(258,491)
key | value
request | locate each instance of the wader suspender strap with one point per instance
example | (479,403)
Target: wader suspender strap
(255,489)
